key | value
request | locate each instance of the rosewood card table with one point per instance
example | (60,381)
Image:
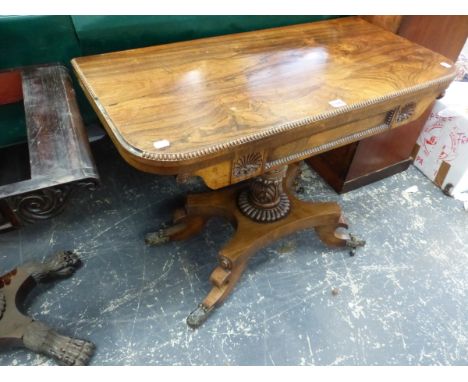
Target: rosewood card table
(238,110)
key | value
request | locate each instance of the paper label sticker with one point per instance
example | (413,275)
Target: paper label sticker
(445,64)
(337,103)
(161,144)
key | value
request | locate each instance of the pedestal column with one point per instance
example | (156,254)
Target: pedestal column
(264,201)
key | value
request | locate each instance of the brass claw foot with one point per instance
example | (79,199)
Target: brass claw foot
(184,227)
(157,238)
(354,243)
(198,316)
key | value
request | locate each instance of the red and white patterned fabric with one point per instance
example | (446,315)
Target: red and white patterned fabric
(444,138)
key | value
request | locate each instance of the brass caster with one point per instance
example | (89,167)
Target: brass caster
(198,316)
(353,243)
(448,189)
(157,238)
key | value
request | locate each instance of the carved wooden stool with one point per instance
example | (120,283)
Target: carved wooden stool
(19,330)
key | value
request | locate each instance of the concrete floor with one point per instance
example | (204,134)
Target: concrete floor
(402,300)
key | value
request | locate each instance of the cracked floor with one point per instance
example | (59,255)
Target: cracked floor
(400,301)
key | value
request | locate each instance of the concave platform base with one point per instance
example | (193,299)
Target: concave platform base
(19,330)
(251,235)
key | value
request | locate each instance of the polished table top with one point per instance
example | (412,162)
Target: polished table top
(191,104)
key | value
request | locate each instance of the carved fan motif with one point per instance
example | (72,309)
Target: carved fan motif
(406,112)
(247,164)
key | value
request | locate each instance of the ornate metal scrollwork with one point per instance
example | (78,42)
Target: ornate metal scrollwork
(247,165)
(264,201)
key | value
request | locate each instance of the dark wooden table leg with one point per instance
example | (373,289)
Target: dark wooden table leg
(19,330)
(262,212)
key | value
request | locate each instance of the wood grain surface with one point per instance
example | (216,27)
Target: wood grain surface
(212,97)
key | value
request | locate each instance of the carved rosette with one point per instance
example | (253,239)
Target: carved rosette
(247,165)
(265,201)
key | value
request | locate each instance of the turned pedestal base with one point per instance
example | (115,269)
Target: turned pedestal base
(262,213)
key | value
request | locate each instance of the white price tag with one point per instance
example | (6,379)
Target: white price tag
(337,103)
(161,144)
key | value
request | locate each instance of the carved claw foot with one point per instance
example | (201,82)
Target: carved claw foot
(61,264)
(39,338)
(198,316)
(2,305)
(354,243)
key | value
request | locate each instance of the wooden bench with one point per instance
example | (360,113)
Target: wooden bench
(59,154)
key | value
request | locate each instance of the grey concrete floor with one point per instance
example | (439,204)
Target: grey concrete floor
(402,300)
